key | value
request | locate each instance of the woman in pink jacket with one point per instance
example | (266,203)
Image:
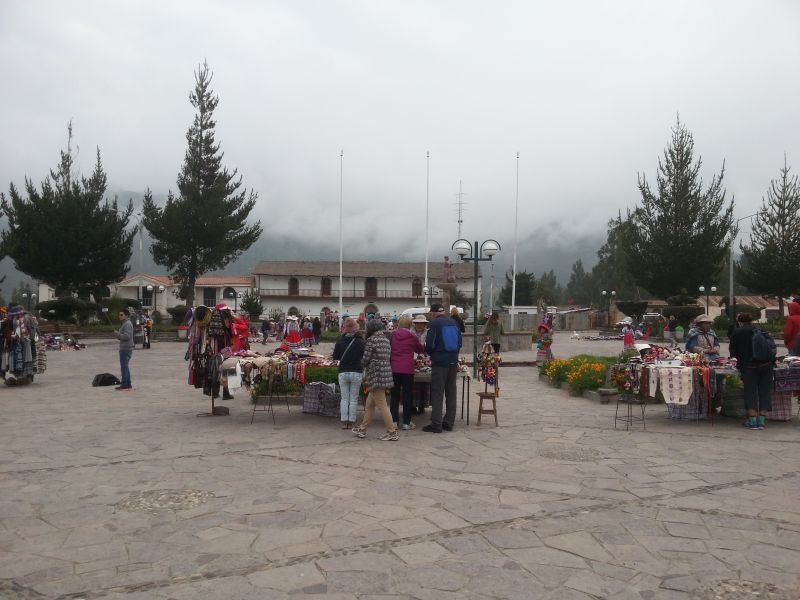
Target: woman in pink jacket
(405,344)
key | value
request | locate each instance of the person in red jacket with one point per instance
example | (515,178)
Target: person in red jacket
(792,329)
(405,344)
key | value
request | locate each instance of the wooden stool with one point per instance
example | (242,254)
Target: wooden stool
(486,395)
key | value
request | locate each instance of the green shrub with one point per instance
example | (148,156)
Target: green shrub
(632,308)
(330,336)
(68,308)
(178,313)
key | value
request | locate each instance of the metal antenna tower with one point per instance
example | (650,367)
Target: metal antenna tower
(460,207)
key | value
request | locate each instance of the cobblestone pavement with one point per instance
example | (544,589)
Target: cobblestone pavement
(107,494)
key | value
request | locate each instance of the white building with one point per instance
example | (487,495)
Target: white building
(159,292)
(312,287)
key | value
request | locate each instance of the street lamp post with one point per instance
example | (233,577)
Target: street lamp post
(429,292)
(155,290)
(607,297)
(702,289)
(475,253)
(27,298)
(731,296)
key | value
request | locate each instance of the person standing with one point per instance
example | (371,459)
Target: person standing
(456,316)
(791,331)
(125,337)
(442,344)
(404,345)
(264,330)
(316,327)
(378,369)
(702,339)
(349,350)
(669,330)
(756,374)
(493,331)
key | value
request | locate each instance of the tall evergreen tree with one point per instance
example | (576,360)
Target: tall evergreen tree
(770,263)
(526,284)
(680,233)
(204,227)
(612,271)
(548,288)
(68,235)
(579,287)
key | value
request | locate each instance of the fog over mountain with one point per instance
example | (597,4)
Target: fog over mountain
(586,92)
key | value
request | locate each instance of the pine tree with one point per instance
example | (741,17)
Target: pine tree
(770,263)
(579,287)
(68,235)
(612,271)
(680,233)
(548,289)
(526,284)
(204,227)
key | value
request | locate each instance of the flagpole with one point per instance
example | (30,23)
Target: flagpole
(427,205)
(514,269)
(341,275)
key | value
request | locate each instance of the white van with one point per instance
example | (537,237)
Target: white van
(424,310)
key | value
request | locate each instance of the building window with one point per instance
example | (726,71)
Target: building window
(326,286)
(209,296)
(371,287)
(416,287)
(294,286)
(147,297)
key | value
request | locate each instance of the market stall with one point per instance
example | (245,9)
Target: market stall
(693,388)
(22,349)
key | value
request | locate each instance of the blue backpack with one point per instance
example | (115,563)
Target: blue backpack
(764,349)
(451,338)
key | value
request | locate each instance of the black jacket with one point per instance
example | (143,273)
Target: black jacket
(741,348)
(349,360)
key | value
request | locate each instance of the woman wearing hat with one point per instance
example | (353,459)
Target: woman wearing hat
(543,343)
(349,350)
(420,323)
(378,368)
(702,339)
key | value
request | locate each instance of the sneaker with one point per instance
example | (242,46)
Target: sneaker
(447,426)
(357,429)
(396,426)
(432,429)
(750,424)
(761,422)
(123,388)
(390,436)
(408,426)
(360,433)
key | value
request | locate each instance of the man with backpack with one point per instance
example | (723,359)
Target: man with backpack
(754,351)
(442,344)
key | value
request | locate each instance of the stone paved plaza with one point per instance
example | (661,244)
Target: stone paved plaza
(114,495)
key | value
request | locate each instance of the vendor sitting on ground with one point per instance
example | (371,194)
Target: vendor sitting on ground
(702,339)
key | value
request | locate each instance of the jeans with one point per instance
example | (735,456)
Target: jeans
(376,400)
(403,385)
(125,372)
(443,388)
(350,385)
(757,389)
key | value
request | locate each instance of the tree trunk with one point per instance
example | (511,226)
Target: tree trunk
(190,291)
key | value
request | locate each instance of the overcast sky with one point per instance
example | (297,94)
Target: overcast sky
(585,91)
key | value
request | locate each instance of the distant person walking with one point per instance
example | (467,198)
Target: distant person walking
(493,331)
(125,337)
(316,327)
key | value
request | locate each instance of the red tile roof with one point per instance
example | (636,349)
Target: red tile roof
(206,280)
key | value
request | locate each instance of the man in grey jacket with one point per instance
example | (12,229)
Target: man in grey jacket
(125,337)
